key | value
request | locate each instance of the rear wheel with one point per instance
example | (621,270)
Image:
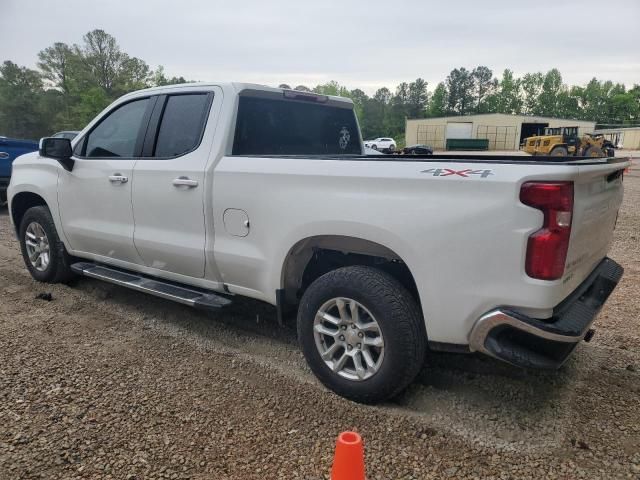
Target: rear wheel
(44,254)
(392,148)
(361,333)
(593,151)
(559,152)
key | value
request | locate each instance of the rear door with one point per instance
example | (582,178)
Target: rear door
(95,197)
(168,187)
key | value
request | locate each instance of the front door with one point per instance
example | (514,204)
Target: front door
(169,184)
(95,197)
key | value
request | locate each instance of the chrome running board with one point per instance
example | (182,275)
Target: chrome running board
(191,296)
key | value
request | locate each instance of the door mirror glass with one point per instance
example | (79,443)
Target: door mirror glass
(59,149)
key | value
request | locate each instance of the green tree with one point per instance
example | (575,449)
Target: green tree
(55,62)
(332,88)
(439,101)
(396,110)
(374,113)
(109,68)
(508,98)
(359,98)
(531,88)
(92,102)
(20,109)
(484,87)
(460,85)
(417,99)
(549,101)
(382,95)
(60,66)
(159,79)
(134,74)
(102,58)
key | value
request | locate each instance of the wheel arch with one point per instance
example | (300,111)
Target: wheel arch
(21,202)
(312,257)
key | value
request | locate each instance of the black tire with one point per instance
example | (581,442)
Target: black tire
(593,152)
(374,147)
(559,152)
(59,267)
(398,317)
(392,148)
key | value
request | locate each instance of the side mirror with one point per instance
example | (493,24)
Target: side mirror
(59,149)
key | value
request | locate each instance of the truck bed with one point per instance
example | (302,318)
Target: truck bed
(465,158)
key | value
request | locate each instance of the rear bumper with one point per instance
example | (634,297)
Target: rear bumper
(533,343)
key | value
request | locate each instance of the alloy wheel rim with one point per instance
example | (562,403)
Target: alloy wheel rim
(37,244)
(349,339)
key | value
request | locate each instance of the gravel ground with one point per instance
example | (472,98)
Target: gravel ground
(102,382)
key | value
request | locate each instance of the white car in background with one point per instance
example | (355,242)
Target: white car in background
(382,144)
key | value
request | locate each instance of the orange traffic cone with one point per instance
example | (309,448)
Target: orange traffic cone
(348,461)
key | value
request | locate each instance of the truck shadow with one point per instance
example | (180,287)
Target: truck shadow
(469,395)
(246,317)
(475,397)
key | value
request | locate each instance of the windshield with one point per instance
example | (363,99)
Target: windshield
(287,127)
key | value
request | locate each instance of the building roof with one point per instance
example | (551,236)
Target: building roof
(619,129)
(512,115)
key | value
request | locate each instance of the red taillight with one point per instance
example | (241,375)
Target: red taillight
(547,248)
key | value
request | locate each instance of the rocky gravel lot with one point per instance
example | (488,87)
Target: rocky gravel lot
(102,382)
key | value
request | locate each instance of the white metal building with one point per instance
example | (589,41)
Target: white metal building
(504,131)
(627,138)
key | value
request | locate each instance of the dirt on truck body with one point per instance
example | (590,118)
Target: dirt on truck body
(103,382)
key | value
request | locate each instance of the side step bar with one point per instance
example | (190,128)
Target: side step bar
(192,296)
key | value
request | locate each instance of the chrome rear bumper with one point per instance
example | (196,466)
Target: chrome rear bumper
(515,338)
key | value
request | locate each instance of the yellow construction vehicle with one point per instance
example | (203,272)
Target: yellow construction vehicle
(564,141)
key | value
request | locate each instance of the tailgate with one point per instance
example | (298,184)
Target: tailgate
(597,198)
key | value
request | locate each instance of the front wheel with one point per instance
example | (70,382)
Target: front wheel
(374,147)
(44,253)
(559,152)
(361,333)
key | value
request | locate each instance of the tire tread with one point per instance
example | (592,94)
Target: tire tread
(403,312)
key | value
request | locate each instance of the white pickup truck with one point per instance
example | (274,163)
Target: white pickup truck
(201,192)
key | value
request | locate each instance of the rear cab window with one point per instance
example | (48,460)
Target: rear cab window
(271,126)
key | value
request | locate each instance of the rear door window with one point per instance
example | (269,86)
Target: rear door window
(288,127)
(182,124)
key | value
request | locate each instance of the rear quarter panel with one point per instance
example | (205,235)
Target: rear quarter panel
(462,237)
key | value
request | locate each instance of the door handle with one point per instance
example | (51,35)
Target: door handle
(185,182)
(118,178)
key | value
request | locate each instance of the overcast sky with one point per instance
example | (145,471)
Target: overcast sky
(361,44)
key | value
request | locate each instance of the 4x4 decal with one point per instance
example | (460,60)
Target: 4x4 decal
(445,172)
